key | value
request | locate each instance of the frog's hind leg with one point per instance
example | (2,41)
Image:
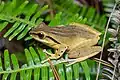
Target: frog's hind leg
(80,59)
(84,53)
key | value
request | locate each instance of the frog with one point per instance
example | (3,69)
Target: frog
(77,40)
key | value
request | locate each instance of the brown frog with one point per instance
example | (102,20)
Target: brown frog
(78,40)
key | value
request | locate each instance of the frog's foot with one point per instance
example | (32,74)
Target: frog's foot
(82,58)
(45,51)
(44,60)
(52,56)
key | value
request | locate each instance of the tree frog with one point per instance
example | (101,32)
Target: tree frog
(78,40)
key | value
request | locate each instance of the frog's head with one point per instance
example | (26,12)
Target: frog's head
(41,34)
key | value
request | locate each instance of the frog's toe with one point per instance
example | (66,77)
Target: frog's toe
(45,51)
(44,61)
(51,58)
(54,56)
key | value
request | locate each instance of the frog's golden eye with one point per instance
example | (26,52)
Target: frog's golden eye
(41,35)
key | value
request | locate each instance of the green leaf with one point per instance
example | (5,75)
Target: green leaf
(29,57)
(61,71)
(51,75)
(1,67)
(23,17)
(7,60)
(44,73)
(37,74)
(12,29)
(76,71)
(15,67)
(56,20)
(3,25)
(86,69)
(2,6)
(34,56)
(69,73)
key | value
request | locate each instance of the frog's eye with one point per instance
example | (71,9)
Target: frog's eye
(41,35)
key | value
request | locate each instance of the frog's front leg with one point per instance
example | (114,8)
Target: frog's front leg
(83,53)
(58,53)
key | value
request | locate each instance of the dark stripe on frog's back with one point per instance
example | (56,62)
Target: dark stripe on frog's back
(70,31)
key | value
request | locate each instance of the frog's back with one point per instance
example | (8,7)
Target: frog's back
(72,34)
(74,30)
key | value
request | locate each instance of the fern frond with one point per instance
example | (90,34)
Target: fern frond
(10,68)
(58,20)
(114,59)
(33,63)
(22,18)
(98,21)
(85,12)
(92,17)
(26,16)
(107,6)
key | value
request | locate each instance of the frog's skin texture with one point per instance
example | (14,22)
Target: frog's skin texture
(77,40)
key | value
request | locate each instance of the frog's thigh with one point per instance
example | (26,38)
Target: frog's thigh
(83,53)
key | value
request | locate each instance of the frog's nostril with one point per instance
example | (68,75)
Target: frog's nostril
(31,32)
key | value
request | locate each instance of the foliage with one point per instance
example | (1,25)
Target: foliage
(113,73)
(23,16)
(108,5)
(10,12)
(93,19)
(10,67)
